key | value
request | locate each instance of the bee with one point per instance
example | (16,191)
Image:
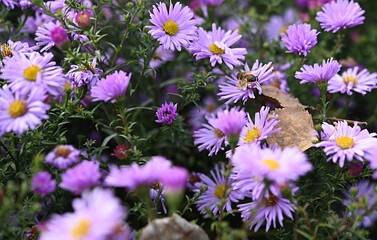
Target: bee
(246,79)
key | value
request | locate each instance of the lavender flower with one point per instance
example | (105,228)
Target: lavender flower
(175,179)
(82,176)
(339,14)
(51,34)
(237,88)
(27,71)
(13,48)
(300,38)
(212,3)
(278,24)
(167,113)
(173,28)
(343,142)
(216,46)
(21,111)
(63,156)
(353,80)
(198,114)
(80,76)
(10,4)
(43,184)
(111,87)
(161,56)
(318,73)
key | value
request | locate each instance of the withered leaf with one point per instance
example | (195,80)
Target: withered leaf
(278,98)
(297,128)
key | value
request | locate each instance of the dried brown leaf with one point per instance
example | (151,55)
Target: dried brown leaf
(278,98)
(297,128)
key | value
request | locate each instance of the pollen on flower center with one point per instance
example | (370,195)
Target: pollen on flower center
(215,49)
(350,79)
(271,164)
(6,50)
(81,229)
(283,29)
(219,133)
(171,27)
(219,191)
(156,185)
(62,151)
(270,201)
(17,108)
(344,142)
(30,73)
(252,134)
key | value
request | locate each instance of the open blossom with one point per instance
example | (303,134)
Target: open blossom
(27,71)
(112,87)
(339,14)
(343,142)
(220,126)
(279,24)
(216,45)
(173,28)
(260,129)
(353,80)
(63,156)
(80,76)
(97,215)
(167,113)
(11,48)
(51,34)
(43,183)
(216,192)
(299,38)
(318,73)
(21,111)
(236,88)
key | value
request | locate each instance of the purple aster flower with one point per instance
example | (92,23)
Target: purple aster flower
(268,209)
(51,34)
(43,184)
(216,192)
(242,85)
(353,80)
(21,111)
(173,28)
(366,192)
(209,3)
(80,76)
(221,125)
(371,156)
(82,176)
(276,165)
(63,156)
(255,132)
(12,48)
(167,113)
(175,179)
(161,56)
(343,142)
(10,4)
(83,18)
(279,77)
(340,14)
(216,46)
(111,87)
(27,71)
(311,4)
(318,73)
(198,114)
(279,24)
(299,38)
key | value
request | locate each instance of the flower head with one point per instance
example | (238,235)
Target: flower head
(21,111)
(339,14)
(278,24)
(173,28)
(216,192)
(167,113)
(51,34)
(300,38)
(111,87)
(63,156)
(82,176)
(239,87)
(318,73)
(12,48)
(216,45)
(82,76)
(343,142)
(353,80)
(27,71)
(43,183)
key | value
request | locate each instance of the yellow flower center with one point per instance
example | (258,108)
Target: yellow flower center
(271,164)
(62,151)
(219,133)
(350,79)
(81,229)
(252,134)
(30,73)
(17,108)
(219,191)
(6,50)
(283,29)
(270,201)
(171,27)
(344,142)
(155,185)
(215,49)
